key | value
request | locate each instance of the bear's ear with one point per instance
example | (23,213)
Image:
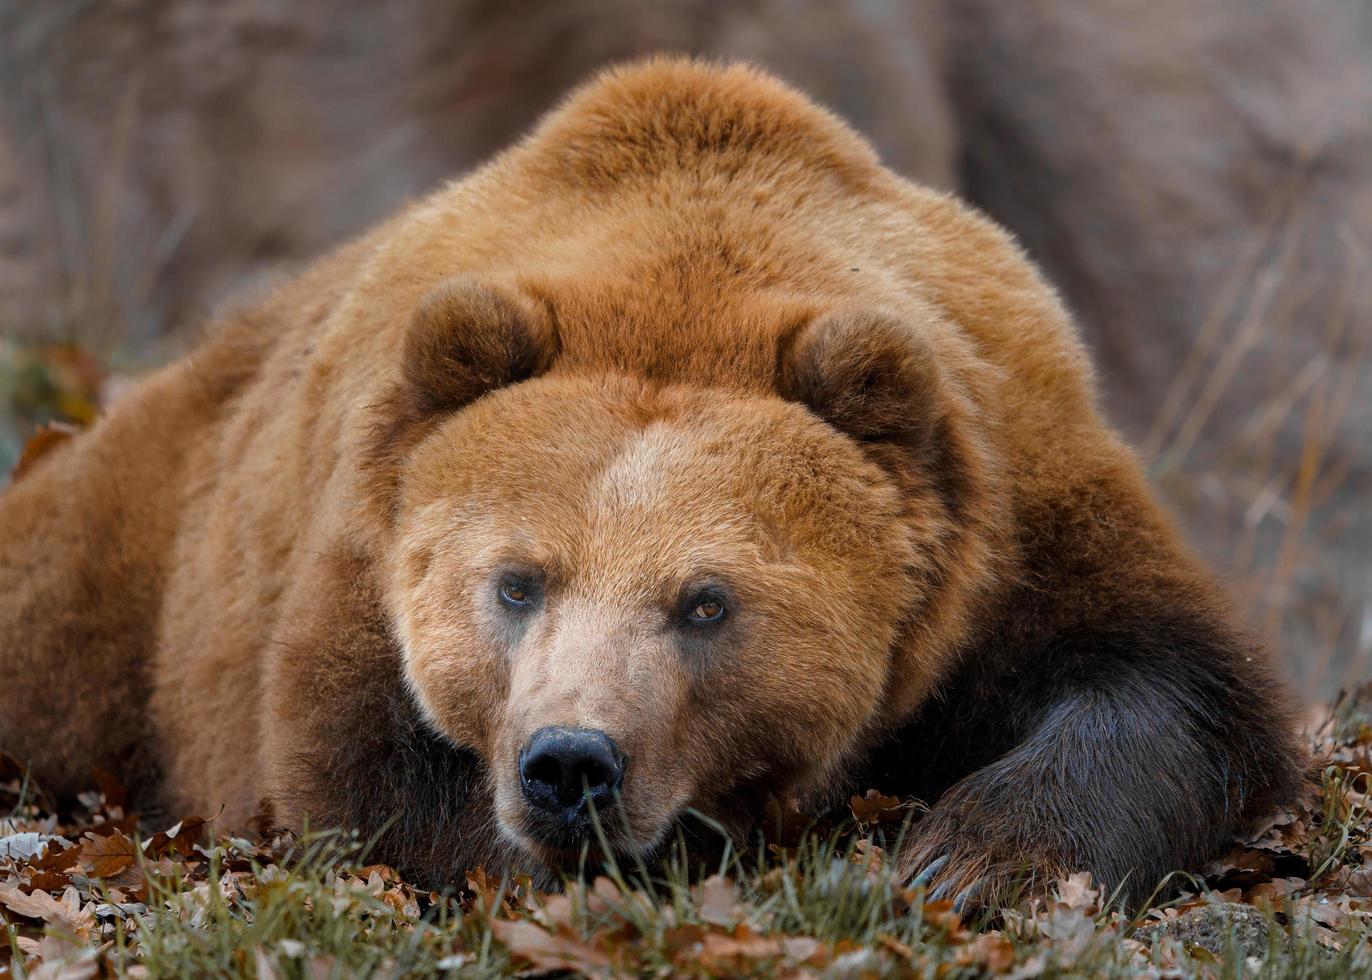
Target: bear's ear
(468,338)
(867,373)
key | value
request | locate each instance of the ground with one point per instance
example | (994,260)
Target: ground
(98,892)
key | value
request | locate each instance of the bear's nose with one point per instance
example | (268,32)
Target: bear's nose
(561,767)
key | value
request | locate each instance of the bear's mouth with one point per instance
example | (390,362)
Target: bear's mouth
(568,833)
(586,838)
(582,843)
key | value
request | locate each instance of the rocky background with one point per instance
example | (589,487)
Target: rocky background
(1195,175)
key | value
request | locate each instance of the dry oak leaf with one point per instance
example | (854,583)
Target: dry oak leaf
(683,940)
(1076,892)
(55,958)
(729,955)
(66,916)
(179,838)
(54,859)
(942,916)
(868,856)
(486,891)
(1357,882)
(1275,891)
(49,881)
(106,857)
(24,847)
(717,898)
(532,944)
(1242,864)
(804,949)
(384,871)
(874,808)
(990,950)
(39,905)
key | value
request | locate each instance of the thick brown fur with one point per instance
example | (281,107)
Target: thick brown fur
(1195,176)
(688,334)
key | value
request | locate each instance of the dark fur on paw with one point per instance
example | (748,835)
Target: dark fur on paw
(967,855)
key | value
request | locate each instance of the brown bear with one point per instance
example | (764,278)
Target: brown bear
(680,456)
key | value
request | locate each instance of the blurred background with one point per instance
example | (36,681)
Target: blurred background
(1194,175)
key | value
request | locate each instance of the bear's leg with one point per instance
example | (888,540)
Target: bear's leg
(88,543)
(1129,750)
(83,538)
(346,745)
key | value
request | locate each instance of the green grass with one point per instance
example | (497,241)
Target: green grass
(278,905)
(818,911)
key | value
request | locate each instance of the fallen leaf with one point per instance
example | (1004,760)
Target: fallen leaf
(49,881)
(804,949)
(717,899)
(731,955)
(39,905)
(106,857)
(23,847)
(486,891)
(180,838)
(532,944)
(874,808)
(67,915)
(868,856)
(58,958)
(991,951)
(59,859)
(1075,892)
(110,788)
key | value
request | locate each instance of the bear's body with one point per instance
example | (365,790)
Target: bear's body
(688,340)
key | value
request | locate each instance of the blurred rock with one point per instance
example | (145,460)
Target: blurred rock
(170,151)
(1219,928)
(1197,179)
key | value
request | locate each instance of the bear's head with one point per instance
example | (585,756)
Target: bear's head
(633,598)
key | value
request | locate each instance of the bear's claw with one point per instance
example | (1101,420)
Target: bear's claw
(966,898)
(946,887)
(930,869)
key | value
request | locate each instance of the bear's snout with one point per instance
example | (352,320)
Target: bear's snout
(565,771)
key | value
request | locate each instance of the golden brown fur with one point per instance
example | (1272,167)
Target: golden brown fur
(688,330)
(1194,176)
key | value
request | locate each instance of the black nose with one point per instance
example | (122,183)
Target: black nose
(561,767)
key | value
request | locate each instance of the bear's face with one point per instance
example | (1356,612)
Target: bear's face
(631,598)
(714,583)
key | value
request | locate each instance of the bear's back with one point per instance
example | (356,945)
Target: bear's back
(679,219)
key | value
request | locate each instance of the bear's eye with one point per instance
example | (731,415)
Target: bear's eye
(516,594)
(707,609)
